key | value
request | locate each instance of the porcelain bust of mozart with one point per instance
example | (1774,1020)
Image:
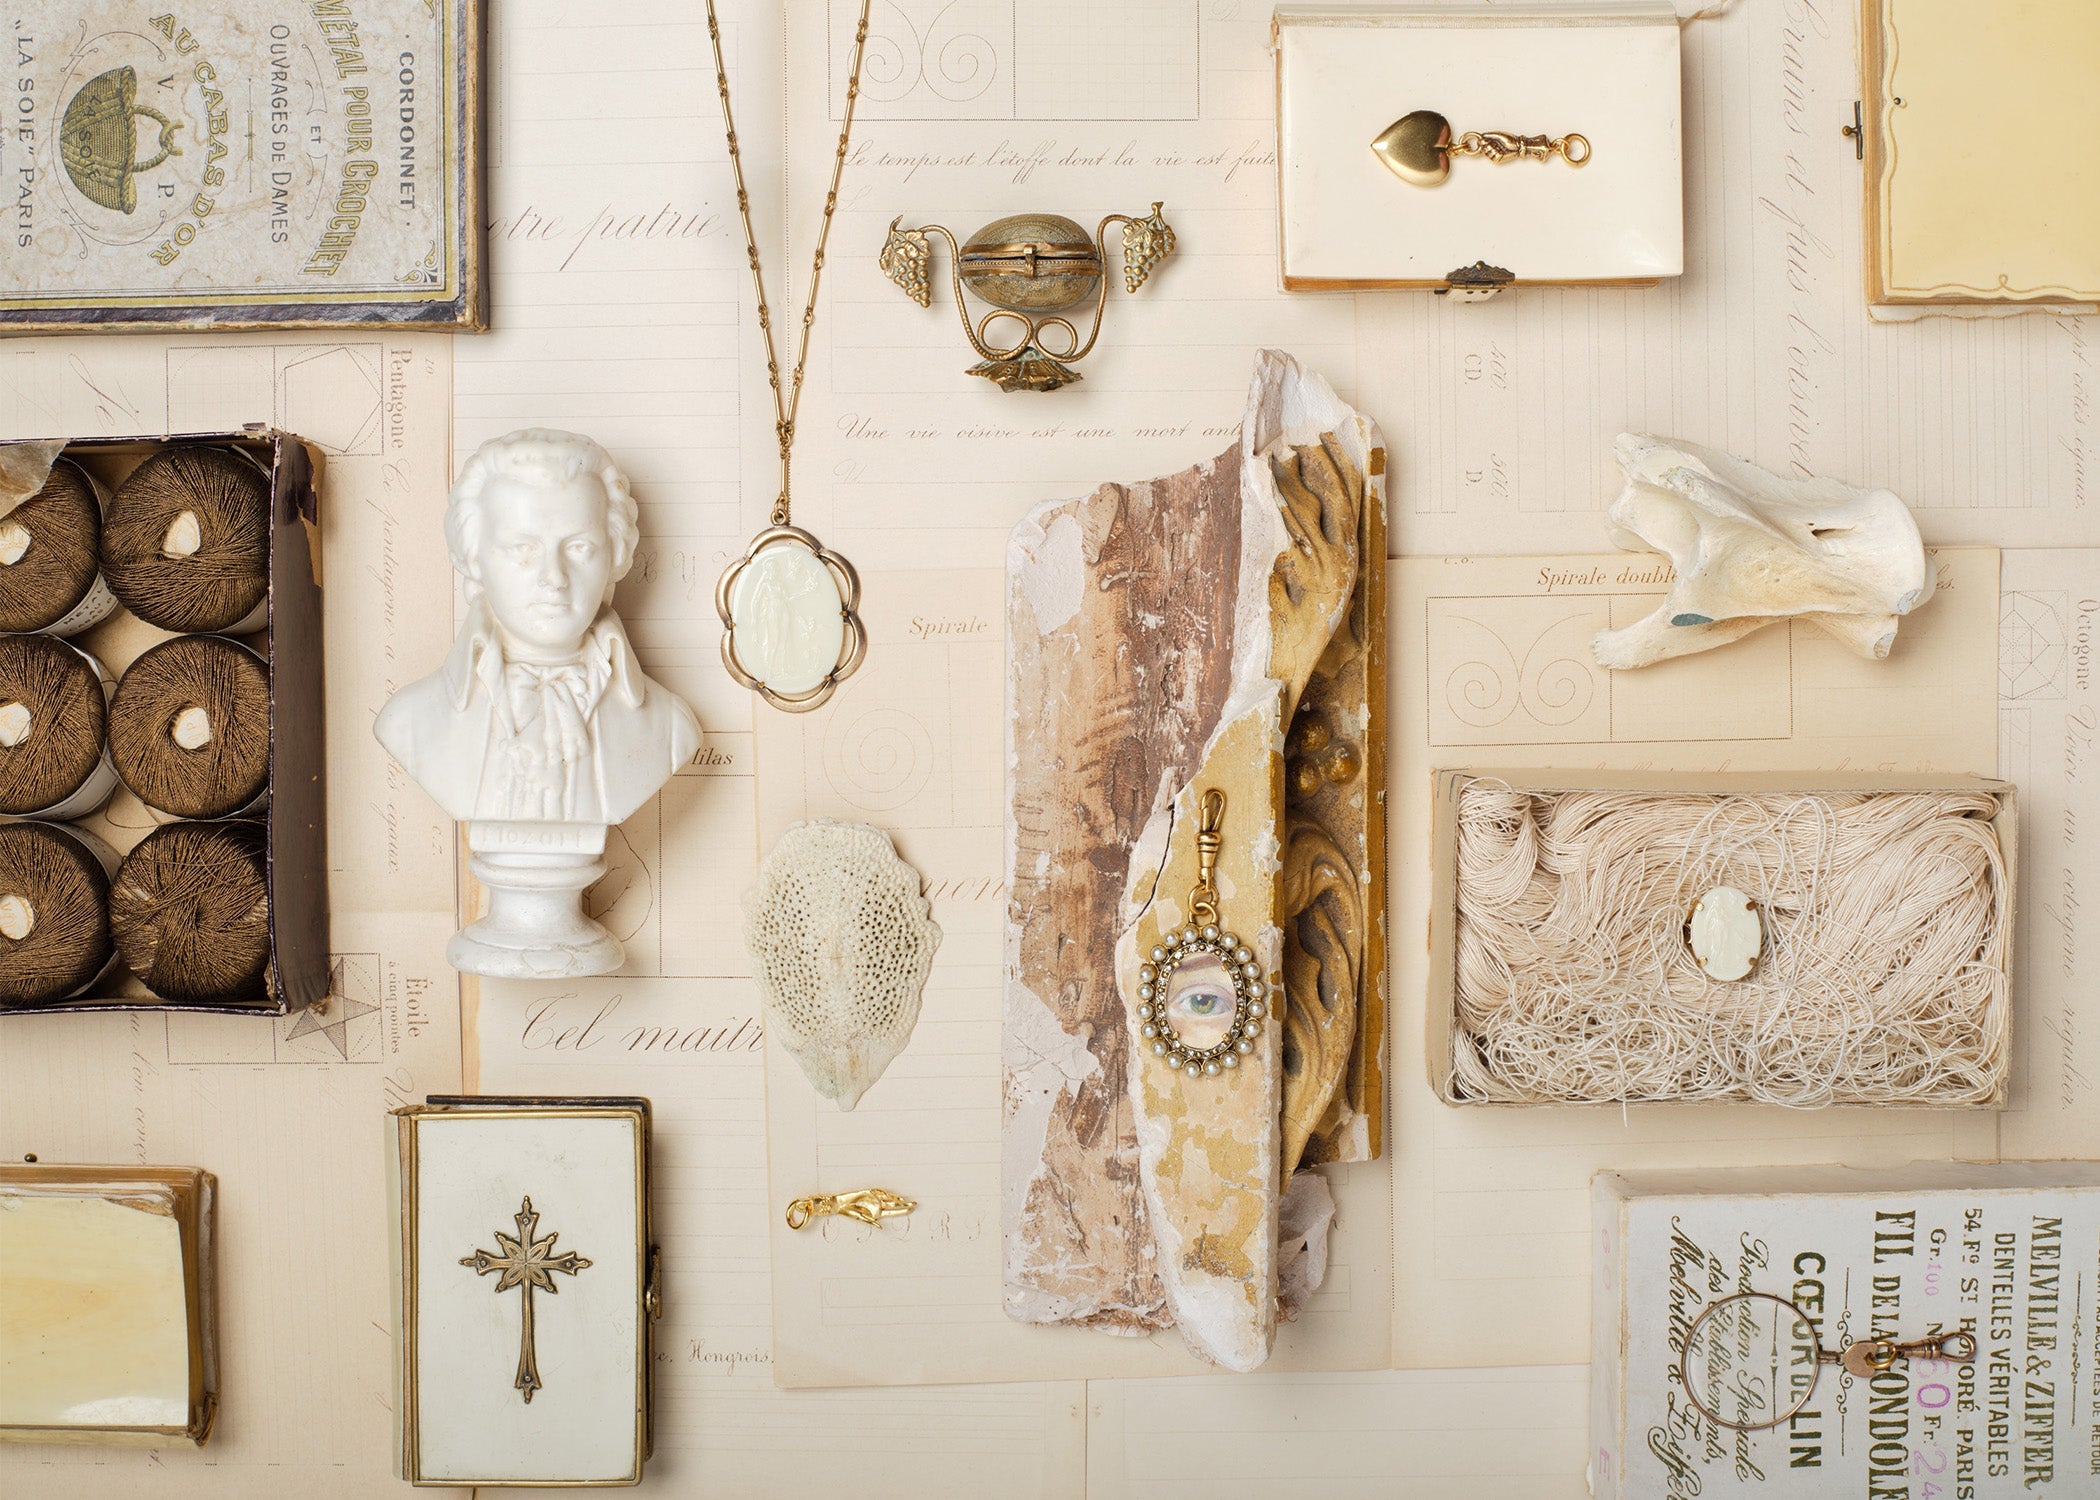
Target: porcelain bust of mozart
(541,728)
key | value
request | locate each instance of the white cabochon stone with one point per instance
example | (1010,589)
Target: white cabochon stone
(790,625)
(1726,935)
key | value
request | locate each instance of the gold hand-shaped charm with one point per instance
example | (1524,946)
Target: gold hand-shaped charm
(868,1205)
(1418,147)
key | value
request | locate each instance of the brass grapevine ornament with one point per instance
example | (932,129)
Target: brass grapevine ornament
(1028,266)
(527,1264)
(1201,992)
(790,607)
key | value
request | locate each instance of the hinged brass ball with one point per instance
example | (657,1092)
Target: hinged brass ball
(1032,269)
(1031,263)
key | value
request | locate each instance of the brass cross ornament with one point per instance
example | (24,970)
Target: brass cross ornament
(528,1264)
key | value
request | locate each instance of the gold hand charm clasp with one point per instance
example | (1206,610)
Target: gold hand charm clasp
(1501,145)
(868,1205)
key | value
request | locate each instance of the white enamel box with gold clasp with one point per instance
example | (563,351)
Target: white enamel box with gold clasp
(526,1289)
(1568,118)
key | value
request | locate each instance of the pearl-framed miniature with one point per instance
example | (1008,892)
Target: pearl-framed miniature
(1202,995)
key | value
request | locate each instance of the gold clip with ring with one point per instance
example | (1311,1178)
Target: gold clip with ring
(1031,268)
(868,1205)
(1418,147)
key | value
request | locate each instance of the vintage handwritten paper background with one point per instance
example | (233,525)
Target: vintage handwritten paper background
(621,308)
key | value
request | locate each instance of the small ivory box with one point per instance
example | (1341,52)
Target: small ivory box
(1953,222)
(526,1290)
(2009,1252)
(1606,71)
(106,1314)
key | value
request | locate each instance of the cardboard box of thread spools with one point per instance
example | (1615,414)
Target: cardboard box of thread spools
(1446,1030)
(1699,1389)
(278,832)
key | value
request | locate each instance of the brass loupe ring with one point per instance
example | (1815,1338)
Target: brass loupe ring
(1792,1379)
(1691,1341)
(1033,338)
(1001,351)
(1071,334)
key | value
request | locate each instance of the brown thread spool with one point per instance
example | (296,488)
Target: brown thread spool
(53,715)
(189,727)
(190,912)
(186,543)
(51,557)
(54,913)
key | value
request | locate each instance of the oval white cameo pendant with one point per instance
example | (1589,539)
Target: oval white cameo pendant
(1725,934)
(790,611)
(1202,995)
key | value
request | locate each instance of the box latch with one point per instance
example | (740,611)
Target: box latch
(1475,283)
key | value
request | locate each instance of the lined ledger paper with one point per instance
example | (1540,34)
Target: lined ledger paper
(288,1112)
(920,1300)
(2049,745)
(1503,413)
(620,299)
(692,1047)
(1490,668)
(982,110)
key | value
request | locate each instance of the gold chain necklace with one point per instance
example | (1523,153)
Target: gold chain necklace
(790,608)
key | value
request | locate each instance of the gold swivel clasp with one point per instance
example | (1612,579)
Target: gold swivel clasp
(1203,900)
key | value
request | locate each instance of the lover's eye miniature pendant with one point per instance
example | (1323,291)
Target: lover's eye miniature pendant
(1201,994)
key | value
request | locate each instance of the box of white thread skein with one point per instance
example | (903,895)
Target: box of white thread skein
(1924,1332)
(1618,937)
(163,828)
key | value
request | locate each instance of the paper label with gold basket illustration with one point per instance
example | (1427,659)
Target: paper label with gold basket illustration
(281,162)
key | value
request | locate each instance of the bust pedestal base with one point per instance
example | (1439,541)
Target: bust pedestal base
(535,927)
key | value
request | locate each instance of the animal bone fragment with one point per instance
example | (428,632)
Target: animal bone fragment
(1750,548)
